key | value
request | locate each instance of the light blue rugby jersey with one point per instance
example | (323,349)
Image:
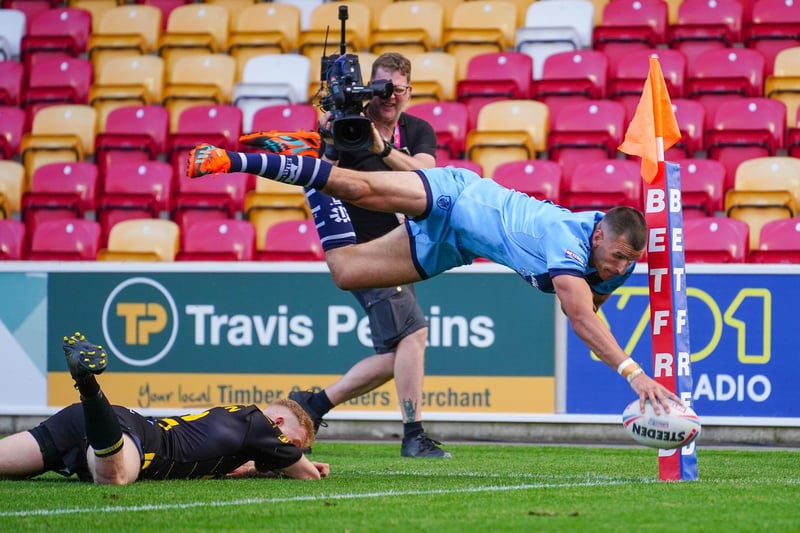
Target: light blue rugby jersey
(535,238)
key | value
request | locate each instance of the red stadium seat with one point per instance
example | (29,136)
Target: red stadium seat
(12,240)
(134,189)
(217,124)
(65,240)
(210,198)
(292,240)
(59,190)
(132,133)
(628,25)
(59,30)
(626,80)
(450,121)
(715,240)
(691,117)
(538,178)
(217,240)
(12,74)
(603,184)
(585,131)
(494,76)
(57,80)
(744,129)
(285,117)
(571,76)
(12,128)
(775,26)
(778,242)
(702,187)
(723,74)
(706,25)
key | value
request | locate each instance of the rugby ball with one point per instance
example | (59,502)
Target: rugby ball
(665,431)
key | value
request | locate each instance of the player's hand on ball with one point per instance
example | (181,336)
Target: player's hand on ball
(649,389)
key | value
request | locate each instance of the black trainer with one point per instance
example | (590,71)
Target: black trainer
(302,397)
(83,357)
(421,445)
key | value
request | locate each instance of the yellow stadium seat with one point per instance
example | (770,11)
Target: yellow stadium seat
(766,188)
(127,80)
(477,27)
(324,24)
(408,27)
(199,79)
(145,239)
(262,29)
(508,130)
(125,30)
(97,8)
(433,76)
(12,185)
(59,133)
(271,202)
(784,83)
(193,29)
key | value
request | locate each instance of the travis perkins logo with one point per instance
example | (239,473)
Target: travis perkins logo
(658,434)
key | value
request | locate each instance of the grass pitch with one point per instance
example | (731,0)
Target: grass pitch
(482,488)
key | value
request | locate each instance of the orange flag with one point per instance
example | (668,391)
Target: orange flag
(653,129)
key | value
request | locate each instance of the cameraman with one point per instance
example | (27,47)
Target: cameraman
(398,326)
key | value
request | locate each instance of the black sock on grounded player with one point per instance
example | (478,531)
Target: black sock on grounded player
(331,219)
(291,169)
(412,429)
(102,426)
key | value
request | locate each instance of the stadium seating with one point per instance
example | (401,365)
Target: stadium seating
(778,242)
(784,83)
(210,198)
(478,27)
(691,117)
(220,125)
(271,202)
(131,29)
(65,240)
(127,80)
(59,133)
(284,117)
(63,31)
(743,129)
(585,131)
(507,130)
(12,240)
(58,191)
(193,29)
(12,28)
(12,128)
(765,189)
(626,79)
(263,28)
(603,184)
(704,25)
(774,26)
(538,178)
(56,80)
(450,121)
(408,27)
(569,77)
(198,79)
(142,240)
(271,79)
(11,82)
(131,133)
(722,74)
(323,22)
(217,240)
(628,25)
(134,189)
(552,27)
(702,186)
(493,76)
(291,240)
(715,240)
(433,77)
(12,185)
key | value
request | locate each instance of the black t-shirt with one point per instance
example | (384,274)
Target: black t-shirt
(416,137)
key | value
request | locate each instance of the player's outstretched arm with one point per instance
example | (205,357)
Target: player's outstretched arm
(305,469)
(578,304)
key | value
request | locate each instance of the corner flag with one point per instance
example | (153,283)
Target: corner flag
(652,131)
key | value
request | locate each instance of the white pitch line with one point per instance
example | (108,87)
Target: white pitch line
(351,496)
